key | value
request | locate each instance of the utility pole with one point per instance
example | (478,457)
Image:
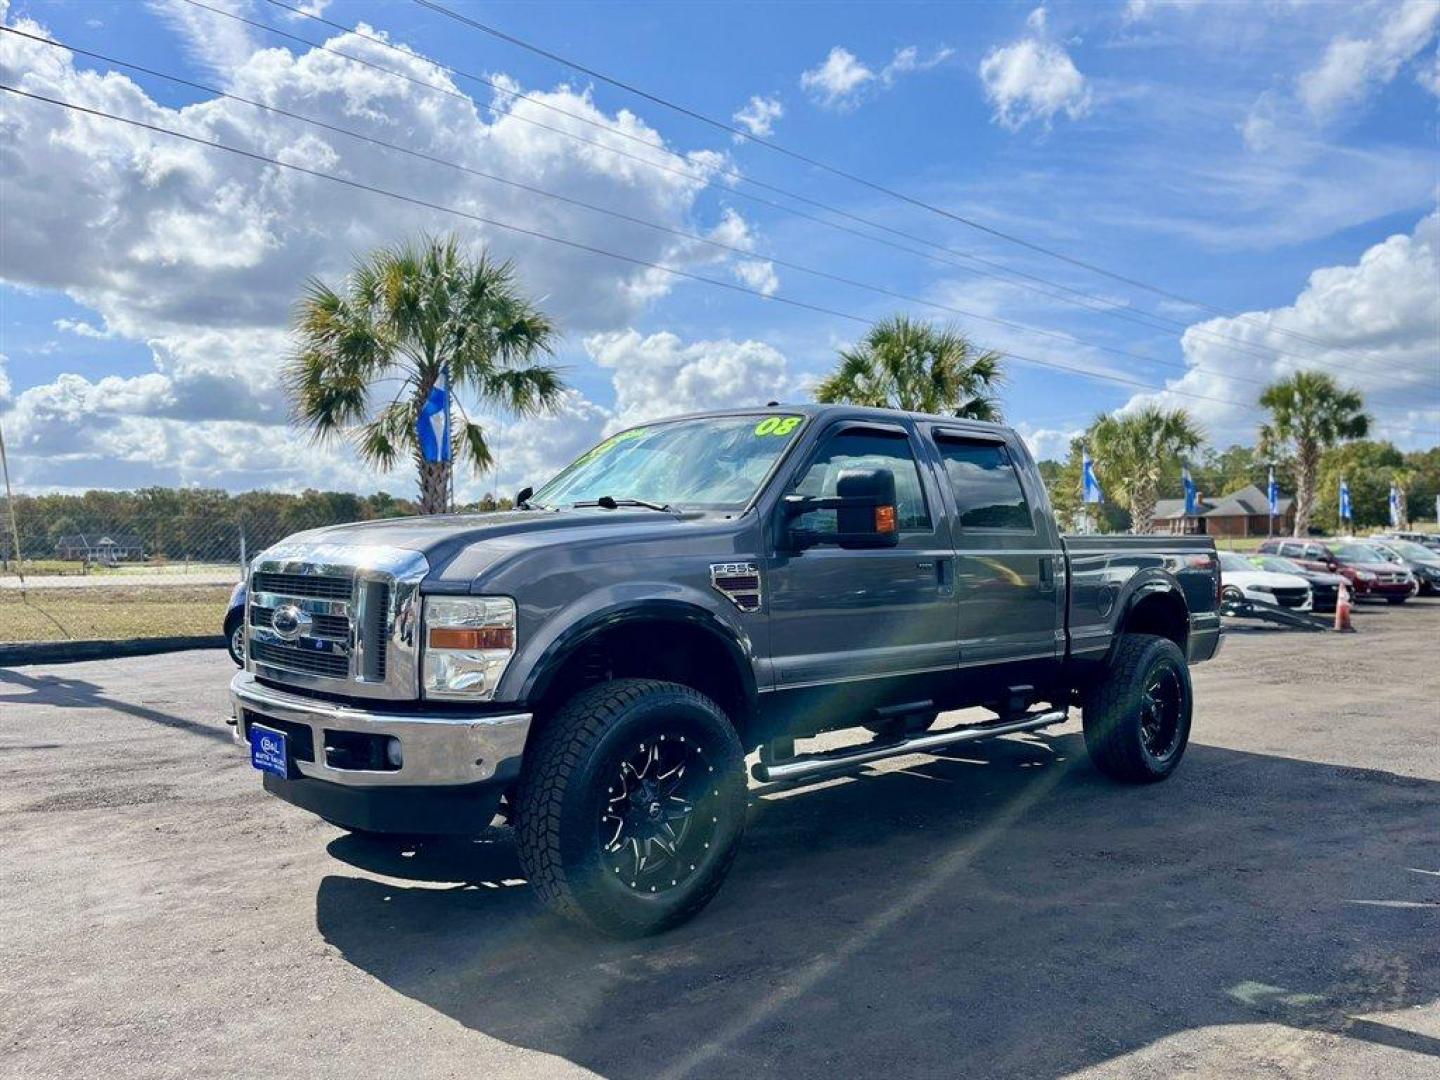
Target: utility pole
(10,501)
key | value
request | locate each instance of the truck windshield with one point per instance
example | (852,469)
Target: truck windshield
(710,463)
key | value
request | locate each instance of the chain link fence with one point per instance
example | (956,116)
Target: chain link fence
(159,562)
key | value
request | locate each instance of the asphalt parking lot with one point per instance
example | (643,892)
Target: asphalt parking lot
(1272,910)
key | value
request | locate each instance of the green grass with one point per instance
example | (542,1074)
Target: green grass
(101,613)
(1239,543)
(67,568)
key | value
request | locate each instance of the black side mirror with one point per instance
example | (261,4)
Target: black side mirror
(865,514)
(524,496)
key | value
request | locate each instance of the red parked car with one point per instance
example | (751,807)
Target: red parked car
(1369,575)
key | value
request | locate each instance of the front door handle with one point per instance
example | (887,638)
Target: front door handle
(1047,574)
(945,575)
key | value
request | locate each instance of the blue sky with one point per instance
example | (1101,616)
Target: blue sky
(1277,160)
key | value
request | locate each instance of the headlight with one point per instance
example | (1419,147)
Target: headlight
(468,642)
(1261,588)
(1364,575)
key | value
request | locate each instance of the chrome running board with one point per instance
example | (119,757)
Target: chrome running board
(809,766)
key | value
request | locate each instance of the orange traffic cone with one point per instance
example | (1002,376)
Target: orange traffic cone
(1342,609)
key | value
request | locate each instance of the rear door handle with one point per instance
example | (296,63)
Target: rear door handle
(1047,574)
(945,575)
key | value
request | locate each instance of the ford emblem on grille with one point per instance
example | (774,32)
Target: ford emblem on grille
(289,622)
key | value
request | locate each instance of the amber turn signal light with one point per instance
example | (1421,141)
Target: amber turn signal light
(885,519)
(487,637)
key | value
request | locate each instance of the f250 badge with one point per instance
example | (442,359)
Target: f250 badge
(739,582)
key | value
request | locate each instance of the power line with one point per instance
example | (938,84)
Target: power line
(609,212)
(588,248)
(1023,279)
(842,173)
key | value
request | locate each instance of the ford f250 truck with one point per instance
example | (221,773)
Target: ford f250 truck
(595,666)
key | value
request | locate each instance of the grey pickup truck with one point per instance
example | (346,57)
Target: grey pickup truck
(595,666)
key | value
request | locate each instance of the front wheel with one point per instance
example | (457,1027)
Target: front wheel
(632,806)
(1137,719)
(235,641)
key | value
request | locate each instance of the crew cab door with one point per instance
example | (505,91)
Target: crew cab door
(858,616)
(1010,568)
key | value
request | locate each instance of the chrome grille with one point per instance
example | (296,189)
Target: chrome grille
(358,617)
(322,588)
(331,665)
(330,627)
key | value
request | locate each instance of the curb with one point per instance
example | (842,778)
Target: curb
(65,652)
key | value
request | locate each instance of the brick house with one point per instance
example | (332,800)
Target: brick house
(1241,513)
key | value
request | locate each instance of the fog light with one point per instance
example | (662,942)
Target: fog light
(392,752)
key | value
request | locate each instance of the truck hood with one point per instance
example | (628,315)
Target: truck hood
(458,547)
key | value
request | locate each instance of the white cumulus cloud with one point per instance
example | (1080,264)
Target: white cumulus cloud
(842,80)
(1377,324)
(199,255)
(1033,80)
(758,274)
(758,115)
(661,375)
(837,79)
(80,328)
(1351,66)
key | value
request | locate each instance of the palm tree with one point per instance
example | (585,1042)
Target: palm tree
(406,314)
(1309,413)
(1134,452)
(910,365)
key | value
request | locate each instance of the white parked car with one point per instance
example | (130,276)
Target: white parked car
(1239,579)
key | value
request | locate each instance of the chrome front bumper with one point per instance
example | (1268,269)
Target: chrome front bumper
(440,750)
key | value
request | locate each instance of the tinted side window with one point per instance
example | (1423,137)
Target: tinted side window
(986,486)
(865,450)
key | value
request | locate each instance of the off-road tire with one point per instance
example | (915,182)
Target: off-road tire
(563,789)
(1112,710)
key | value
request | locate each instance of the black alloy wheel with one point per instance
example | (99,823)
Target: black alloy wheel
(1161,706)
(659,818)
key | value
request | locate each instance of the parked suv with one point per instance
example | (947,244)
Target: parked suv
(1422,562)
(597,664)
(1369,575)
(1427,540)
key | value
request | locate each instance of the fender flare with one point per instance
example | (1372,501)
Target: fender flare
(539,678)
(1150,583)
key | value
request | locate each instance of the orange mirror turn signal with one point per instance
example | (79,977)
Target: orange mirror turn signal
(885,519)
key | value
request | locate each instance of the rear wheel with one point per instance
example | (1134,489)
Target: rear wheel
(632,806)
(1137,720)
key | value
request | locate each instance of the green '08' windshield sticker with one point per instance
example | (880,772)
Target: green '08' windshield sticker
(612,442)
(778,425)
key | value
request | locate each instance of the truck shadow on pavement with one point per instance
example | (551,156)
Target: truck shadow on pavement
(1005,912)
(68,693)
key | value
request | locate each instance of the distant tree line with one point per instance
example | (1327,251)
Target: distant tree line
(198,523)
(1368,465)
